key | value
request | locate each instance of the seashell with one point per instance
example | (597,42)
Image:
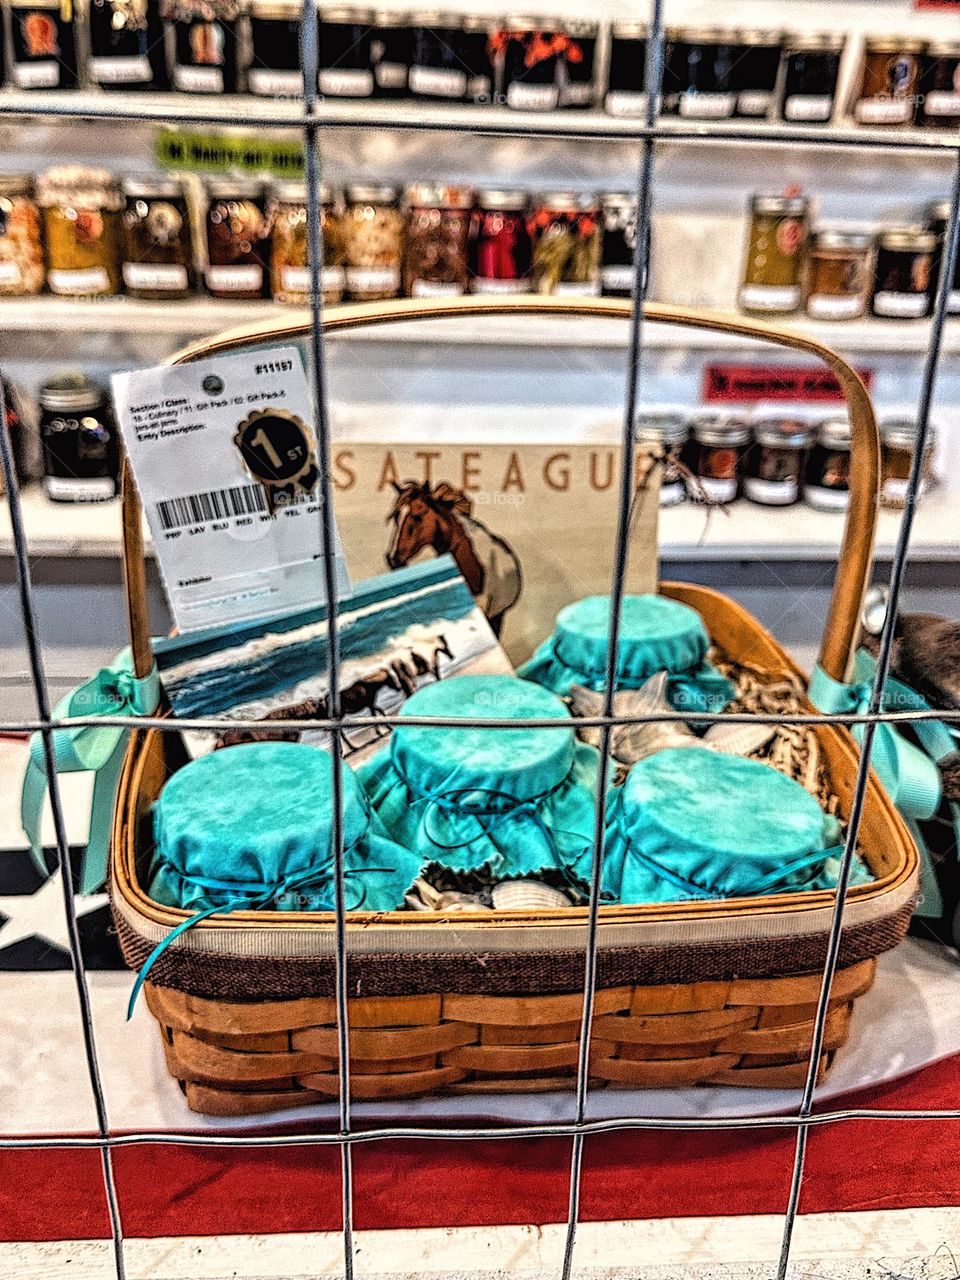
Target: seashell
(527,895)
(738,739)
(424,897)
(631,742)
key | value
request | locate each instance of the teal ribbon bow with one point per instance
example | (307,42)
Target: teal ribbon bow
(908,772)
(113,691)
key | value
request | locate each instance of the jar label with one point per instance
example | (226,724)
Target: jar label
(774,493)
(895,490)
(155,275)
(266,83)
(479,89)
(617,277)
(884,110)
(717,490)
(890,302)
(237,279)
(487,284)
(297,279)
(940,103)
(827,306)
(342,82)
(808,106)
(532,97)
(438,83)
(71,489)
(756,102)
(577,289)
(135,70)
(770,297)
(828,499)
(36,75)
(435,289)
(671,494)
(953,302)
(391,75)
(621,103)
(578,95)
(9,274)
(706,106)
(198,79)
(78,280)
(372,279)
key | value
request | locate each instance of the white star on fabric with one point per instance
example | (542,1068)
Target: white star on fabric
(40,915)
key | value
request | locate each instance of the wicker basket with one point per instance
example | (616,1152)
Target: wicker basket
(688,993)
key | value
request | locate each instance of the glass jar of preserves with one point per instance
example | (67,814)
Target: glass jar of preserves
(476,51)
(275,45)
(756,66)
(898,441)
(699,78)
(838,273)
(772,278)
(391,51)
(21,250)
(372,241)
(888,80)
(435,241)
(827,478)
(500,252)
(566,245)
(663,436)
(719,441)
(811,70)
(940,84)
(126,45)
(619,213)
(436,66)
(774,465)
(81,447)
(81,223)
(237,239)
(157,244)
(531,52)
(205,43)
(627,70)
(43,54)
(903,274)
(578,66)
(346,67)
(290,245)
(938,217)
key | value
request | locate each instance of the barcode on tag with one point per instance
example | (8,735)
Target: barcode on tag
(217,504)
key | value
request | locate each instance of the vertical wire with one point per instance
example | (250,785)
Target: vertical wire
(654,78)
(897,572)
(64,860)
(310,64)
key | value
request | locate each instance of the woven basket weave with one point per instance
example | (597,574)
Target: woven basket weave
(691,992)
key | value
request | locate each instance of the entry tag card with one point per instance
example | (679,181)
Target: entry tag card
(224,457)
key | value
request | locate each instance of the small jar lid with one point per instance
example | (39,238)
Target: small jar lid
(668,429)
(389,18)
(706,35)
(900,432)
(234,189)
(347,15)
(760,36)
(435,18)
(372,193)
(16,184)
(78,184)
(842,238)
(579,202)
(71,392)
(275,10)
(476,22)
(509,201)
(582,28)
(814,41)
(438,195)
(785,206)
(943,49)
(939,210)
(618,200)
(720,429)
(150,188)
(894,44)
(907,239)
(656,634)
(835,433)
(35,4)
(782,433)
(630,30)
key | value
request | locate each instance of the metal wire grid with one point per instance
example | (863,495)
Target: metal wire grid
(312,122)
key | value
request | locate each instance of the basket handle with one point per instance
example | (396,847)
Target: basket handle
(856,552)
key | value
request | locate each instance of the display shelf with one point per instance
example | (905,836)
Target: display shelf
(687,533)
(246,110)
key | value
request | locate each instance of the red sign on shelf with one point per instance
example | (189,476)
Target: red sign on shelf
(751,382)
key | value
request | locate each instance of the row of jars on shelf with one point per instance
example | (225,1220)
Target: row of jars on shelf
(528,63)
(774,461)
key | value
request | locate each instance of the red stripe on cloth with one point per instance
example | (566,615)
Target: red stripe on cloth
(170,1190)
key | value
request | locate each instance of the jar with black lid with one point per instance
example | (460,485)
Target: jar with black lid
(238,246)
(206,45)
(756,68)
(938,217)
(275,44)
(619,212)
(627,70)
(500,249)
(157,245)
(903,274)
(772,278)
(719,441)
(126,44)
(827,478)
(81,447)
(346,66)
(774,465)
(811,70)
(699,77)
(532,48)
(436,66)
(898,442)
(664,435)
(578,66)
(940,84)
(888,80)
(391,51)
(43,55)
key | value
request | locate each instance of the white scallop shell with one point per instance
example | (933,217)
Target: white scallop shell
(738,739)
(527,895)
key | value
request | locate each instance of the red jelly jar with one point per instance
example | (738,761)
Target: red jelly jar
(500,248)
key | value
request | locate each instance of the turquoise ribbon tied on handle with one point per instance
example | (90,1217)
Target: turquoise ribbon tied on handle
(113,691)
(908,772)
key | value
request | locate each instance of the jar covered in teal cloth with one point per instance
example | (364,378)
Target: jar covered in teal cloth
(693,823)
(250,826)
(656,634)
(510,803)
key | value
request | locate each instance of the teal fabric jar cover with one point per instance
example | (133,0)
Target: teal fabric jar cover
(656,634)
(512,803)
(693,823)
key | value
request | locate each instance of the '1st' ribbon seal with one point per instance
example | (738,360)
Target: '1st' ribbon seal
(277,450)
